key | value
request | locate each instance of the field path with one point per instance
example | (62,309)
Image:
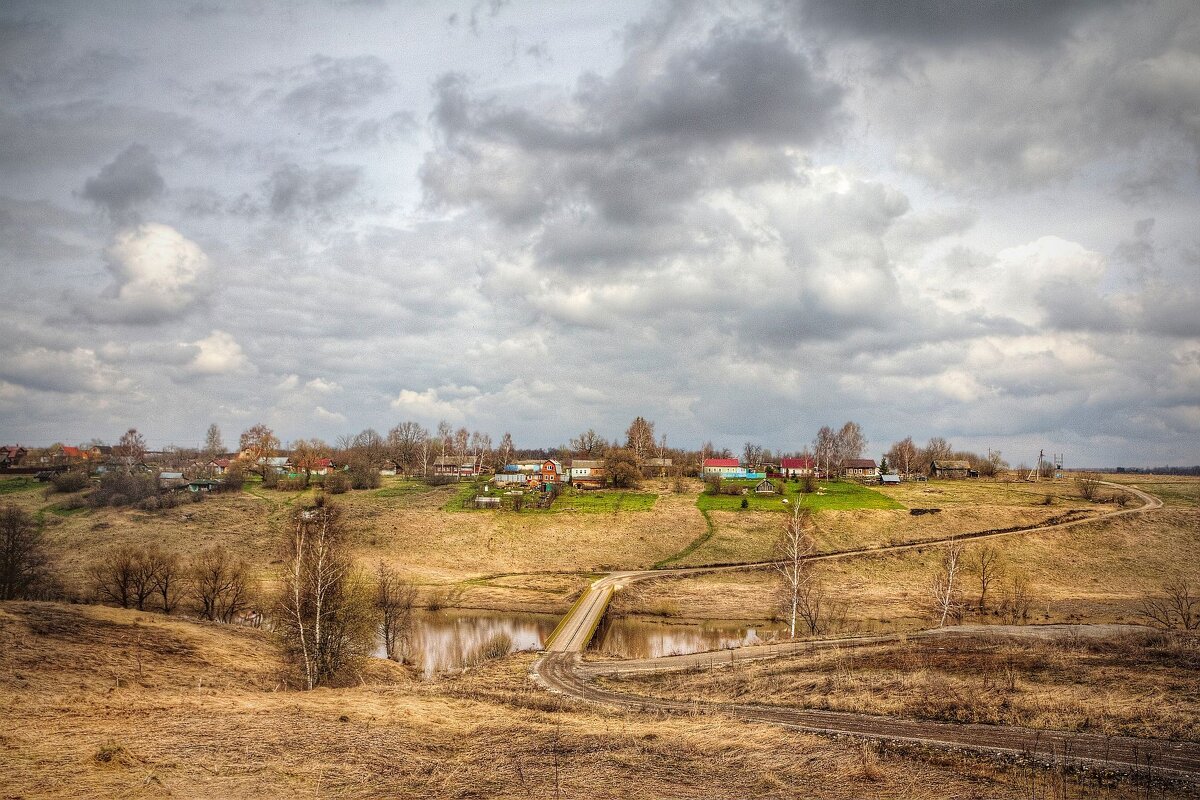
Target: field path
(561,669)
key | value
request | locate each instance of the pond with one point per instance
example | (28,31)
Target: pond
(651,637)
(448,639)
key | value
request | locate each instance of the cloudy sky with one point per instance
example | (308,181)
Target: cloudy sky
(740,220)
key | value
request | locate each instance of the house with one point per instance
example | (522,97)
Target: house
(218,466)
(585,473)
(949,469)
(551,472)
(318,466)
(389,467)
(797,467)
(204,485)
(860,468)
(171,480)
(654,467)
(723,467)
(458,466)
(12,455)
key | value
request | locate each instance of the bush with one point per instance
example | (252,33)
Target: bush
(122,489)
(289,485)
(365,478)
(441,480)
(497,645)
(233,481)
(67,482)
(337,483)
(745,503)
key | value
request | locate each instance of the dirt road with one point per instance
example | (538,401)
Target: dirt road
(562,670)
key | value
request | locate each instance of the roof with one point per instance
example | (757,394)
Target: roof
(795,463)
(170,476)
(72,452)
(220,462)
(952,464)
(580,463)
(721,462)
(890,478)
(860,463)
(658,462)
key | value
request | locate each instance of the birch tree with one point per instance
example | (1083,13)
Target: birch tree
(793,551)
(946,586)
(325,611)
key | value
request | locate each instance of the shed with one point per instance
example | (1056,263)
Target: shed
(764,487)
(950,469)
(890,478)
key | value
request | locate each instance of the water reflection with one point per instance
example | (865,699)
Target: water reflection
(643,637)
(445,640)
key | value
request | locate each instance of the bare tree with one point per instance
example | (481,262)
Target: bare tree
(589,444)
(506,450)
(131,449)
(125,576)
(213,446)
(986,564)
(825,450)
(394,602)
(166,576)
(307,455)
(1017,601)
(621,468)
(325,612)
(1088,484)
(792,554)
(24,562)
(258,444)
(903,455)
(752,454)
(404,444)
(219,586)
(946,586)
(1178,607)
(937,449)
(445,437)
(640,438)
(850,443)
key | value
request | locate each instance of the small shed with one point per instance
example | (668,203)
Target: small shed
(890,479)
(950,469)
(204,485)
(487,502)
(764,487)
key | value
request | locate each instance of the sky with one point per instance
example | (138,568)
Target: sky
(740,220)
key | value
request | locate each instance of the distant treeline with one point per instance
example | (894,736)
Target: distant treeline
(1159,470)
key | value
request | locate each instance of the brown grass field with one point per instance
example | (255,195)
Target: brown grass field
(1140,683)
(1097,572)
(109,703)
(106,702)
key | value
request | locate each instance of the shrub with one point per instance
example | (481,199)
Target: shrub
(234,480)
(745,503)
(441,480)
(364,478)
(67,482)
(289,484)
(337,483)
(497,645)
(122,489)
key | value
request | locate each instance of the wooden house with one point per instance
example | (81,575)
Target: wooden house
(950,470)
(797,467)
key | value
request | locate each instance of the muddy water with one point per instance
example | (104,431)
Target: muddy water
(651,637)
(445,640)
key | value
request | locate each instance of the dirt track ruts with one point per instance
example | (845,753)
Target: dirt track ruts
(561,670)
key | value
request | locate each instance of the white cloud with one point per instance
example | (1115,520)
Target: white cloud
(217,354)
(328,416)
(157,274)
(323,386)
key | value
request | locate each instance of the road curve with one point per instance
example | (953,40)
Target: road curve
(560,669)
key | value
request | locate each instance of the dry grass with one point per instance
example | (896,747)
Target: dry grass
(1098,572)
(962,507)
(1136,684)
(195,715)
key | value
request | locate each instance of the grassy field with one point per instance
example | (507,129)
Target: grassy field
(1097,572)
(106,703)
(604,501)
(1132,684)
(830,496)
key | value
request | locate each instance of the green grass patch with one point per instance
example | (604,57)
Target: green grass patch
(22,484)
(63,511)
(603,502)
(832,496)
